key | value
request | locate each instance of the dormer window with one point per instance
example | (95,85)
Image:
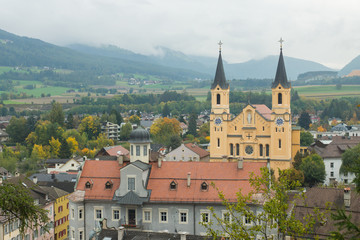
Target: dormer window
(88,184)
(108,185)
(173,185)
(204,186)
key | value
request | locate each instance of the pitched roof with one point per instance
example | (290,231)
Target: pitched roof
(318,198)
(337,146)
(220,78)
(114,150)
(132,199)
(226,176)
(141,165)
(196,149)
(263,110)
(98,173)
(56,160)
(280,77)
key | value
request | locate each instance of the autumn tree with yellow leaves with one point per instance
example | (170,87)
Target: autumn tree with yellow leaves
(163,128)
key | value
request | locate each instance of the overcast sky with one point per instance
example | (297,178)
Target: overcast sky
(325,31)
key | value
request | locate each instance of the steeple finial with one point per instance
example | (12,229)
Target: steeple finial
(281,42)
(220,43)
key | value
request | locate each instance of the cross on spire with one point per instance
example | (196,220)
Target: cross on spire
(281,42)
(220,43)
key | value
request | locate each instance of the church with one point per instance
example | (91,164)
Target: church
(257,134)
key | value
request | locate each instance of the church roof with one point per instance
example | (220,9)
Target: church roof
(263,110)
(220,75)
(280,77)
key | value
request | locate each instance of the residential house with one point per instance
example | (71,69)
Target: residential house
(63,165)
(188,152)
(3,136)
(331,150)
(64,181)
(319,198)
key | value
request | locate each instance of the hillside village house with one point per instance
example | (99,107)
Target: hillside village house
(188,152)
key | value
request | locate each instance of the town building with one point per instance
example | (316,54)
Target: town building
(63,165)
(330,150)
(111,130)
(188,152)
(257,133)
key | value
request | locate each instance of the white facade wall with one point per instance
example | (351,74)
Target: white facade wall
(332,169)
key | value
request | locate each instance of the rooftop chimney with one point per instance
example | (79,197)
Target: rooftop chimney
(121,233)
(159,162)
(120,157)
(347,196)
(35,179)
(188,179)
(240,163)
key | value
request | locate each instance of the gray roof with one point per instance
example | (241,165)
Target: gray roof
(143,166)
(132,198)
(60,177)
(56,160)
(139,135)
(280,77)
(220,78)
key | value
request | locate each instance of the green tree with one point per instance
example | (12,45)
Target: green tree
(56,114)
(17,129)
(125,131)
(174,142)
(192,124)
(91,126)
(306,138)
(163,128)
(304,120)
(166,111)
(65,151)
(351,163)
(134,119)
(313,168)
(274,216)
(16,201)
(70,121)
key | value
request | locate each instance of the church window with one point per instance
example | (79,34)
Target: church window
(279,98)
(263,128)
(215,129)
(231,149)
(218,142)
(221,129)
(218,98)
(261,150)
(132,150)
(279,143)
(235,128)
(237,149)
(267,150)
(283,129)
(275,129)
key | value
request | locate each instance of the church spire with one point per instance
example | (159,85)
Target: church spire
(220,74)
(280,77)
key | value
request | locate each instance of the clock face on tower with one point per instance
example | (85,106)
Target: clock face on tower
(279,121)
(249,150)
(218,121)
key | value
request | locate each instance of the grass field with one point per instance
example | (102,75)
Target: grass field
(329,91)
(42,89)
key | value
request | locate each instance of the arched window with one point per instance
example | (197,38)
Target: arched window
(218,142)
(279,98)
(261,150)
(279,143)
(218,98)
(231,149)
(267,150)
(237,149)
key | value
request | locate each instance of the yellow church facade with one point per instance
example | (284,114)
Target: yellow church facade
(257,133)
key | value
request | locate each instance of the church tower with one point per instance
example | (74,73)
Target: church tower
(220,111)
(281,131)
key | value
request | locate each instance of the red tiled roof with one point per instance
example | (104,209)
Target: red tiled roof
(263,110)
(196,149)
(226,176)
(98,173)
(115,149)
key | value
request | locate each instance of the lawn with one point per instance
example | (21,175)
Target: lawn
(328,91)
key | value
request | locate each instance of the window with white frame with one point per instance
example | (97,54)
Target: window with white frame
(131,183)
(331,174)
(183,216)
(116,214)
(332,165)
(81,235)
(247,220)
(145,150)
(163,215)
(147,215)
(226,217)
(80,213)
(98,213)
(137,150)
(205,216)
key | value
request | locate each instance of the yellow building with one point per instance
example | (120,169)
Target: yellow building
(61,214)
(257,133)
